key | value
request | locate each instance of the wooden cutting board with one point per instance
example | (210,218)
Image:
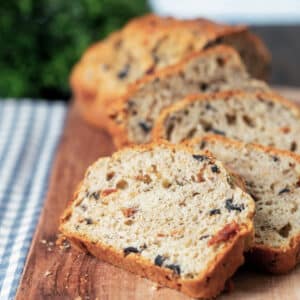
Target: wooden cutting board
(54,273)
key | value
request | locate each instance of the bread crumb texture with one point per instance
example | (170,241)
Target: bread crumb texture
(272,177)
(217,69)
(261,118)
(175,208)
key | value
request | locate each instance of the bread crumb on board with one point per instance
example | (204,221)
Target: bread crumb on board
(47,273)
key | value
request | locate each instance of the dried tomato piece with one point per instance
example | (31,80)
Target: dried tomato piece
(226,233)
(107,192)
(128,211)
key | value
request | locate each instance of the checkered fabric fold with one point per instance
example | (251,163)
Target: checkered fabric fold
(29,133)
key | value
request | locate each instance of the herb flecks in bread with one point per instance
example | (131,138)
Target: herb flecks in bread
(217,69)
(148,44)
(272,178)
(161,225)
(246,116)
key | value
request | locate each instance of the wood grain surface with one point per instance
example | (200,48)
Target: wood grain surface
(53,272)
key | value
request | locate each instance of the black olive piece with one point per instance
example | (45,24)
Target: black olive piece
(255,198)
(202,145)
(143,247)
(88,221)
(285,190)
(150,70)
(203,86)
(95,195)
(129,250)
(145,126)
(215,169)
(175,268)
(215,211)
(83,207)
(204,237)
(159,260)
(200,157)
(275,158)
(206,126)
(124,72)
(293,146)
(209,107)
(230,206)
(217,131)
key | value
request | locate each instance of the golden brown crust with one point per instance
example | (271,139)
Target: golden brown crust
(208,284)
(170,70)
(260,54)
(263,54)
(158,130)
(94,91)
(273,260)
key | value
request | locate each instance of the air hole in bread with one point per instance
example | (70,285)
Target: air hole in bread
(221,61)
(110,175)
(231,119)
(249,121)
(203,86)
(191,133)
(285,230)
(294,146)
(169,130)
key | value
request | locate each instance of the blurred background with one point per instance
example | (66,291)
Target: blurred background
(41,40)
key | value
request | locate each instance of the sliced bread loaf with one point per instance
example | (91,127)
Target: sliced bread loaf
(161,211)
(272,177)
(263,118)
(217,69)
(151,43)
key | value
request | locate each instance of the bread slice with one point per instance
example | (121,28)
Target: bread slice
(263,118)
(272,177)
(147,44)
(217,69)
(161,211)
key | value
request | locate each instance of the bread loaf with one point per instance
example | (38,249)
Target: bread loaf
(151,43)
(216,69)
(263,118)
(272,177)
(161,211)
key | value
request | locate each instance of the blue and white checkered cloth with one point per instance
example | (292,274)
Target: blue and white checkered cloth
(29,133)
